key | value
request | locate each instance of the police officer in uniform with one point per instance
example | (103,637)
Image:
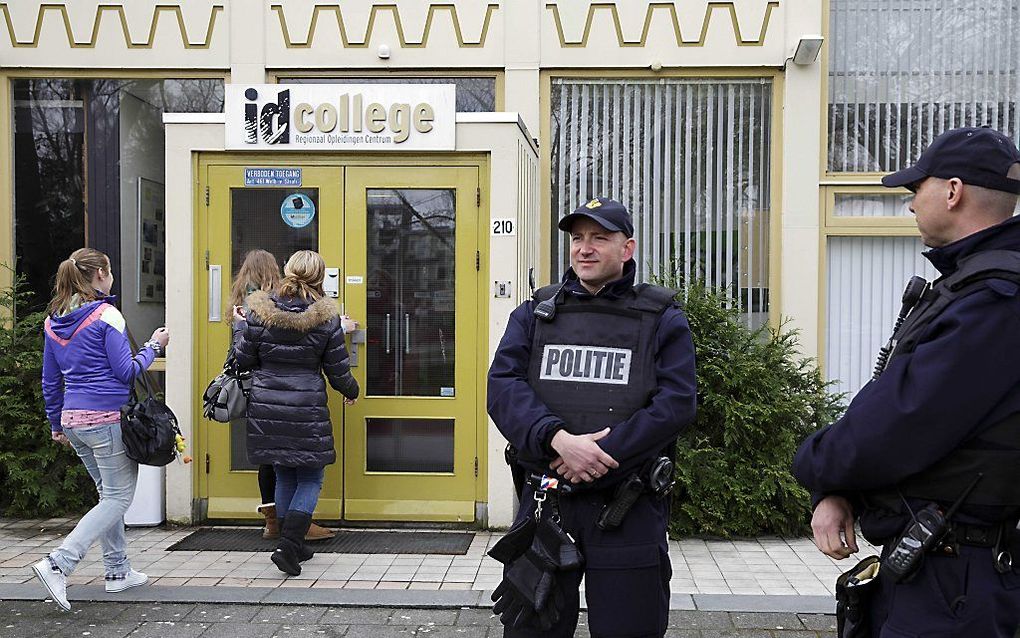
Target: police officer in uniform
(939,425)
(591,384)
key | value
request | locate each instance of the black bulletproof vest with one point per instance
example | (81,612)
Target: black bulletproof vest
(593,365)
(995,452)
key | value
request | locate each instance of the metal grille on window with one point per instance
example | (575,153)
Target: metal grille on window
(689,158)
(903,71)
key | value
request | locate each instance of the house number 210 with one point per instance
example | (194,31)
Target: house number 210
(504,227)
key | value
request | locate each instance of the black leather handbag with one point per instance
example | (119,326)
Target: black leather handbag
(226,397)
(148,427)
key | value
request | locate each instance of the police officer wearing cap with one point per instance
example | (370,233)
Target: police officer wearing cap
(592,383)
(927,456)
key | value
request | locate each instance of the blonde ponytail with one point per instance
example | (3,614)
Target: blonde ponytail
(74,277)
(303,275)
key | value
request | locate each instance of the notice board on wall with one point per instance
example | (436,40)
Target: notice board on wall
(151,241)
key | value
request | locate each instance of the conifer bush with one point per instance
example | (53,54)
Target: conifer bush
(38,477)
(758,398)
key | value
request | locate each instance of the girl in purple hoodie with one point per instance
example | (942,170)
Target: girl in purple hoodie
(88,373)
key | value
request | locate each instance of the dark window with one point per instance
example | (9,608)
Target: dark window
(474,94)
(89,171)
(49,178)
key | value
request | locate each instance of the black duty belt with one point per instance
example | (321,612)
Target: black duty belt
(975,535)
(1000,538)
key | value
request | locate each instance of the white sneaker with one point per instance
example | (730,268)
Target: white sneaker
(54,581)
(131,579)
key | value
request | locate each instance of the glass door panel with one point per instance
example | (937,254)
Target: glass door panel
(239,219)
(411,283)
(411,268)
(256,222)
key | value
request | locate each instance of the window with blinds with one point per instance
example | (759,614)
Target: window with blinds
(690,160)
(866,278)
(903,71)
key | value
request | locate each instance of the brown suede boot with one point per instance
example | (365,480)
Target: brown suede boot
(272,529)
(319,533)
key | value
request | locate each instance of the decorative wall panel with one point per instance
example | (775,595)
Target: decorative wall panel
(315,34)
(185,34)
(647,31)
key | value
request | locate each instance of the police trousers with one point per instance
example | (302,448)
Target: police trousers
(950,596)
(626,572)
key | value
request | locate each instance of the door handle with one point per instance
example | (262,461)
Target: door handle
(357,337)
(387,333)
(407,333)
(215,298)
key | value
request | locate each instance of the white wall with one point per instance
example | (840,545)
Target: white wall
(141,155)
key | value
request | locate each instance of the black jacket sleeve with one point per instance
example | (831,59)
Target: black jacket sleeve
(245,344)
(516,410)
(336,363)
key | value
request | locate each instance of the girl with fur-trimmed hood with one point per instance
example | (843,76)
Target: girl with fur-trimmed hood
(290,339)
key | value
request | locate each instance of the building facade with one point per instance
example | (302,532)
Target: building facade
(749,161)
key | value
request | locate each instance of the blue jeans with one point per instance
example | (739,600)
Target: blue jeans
(102,451)
(297,488)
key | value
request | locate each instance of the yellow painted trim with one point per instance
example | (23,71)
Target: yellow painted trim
(823,117)
(119,10)
(244,507)
(821,284)
(483,300)
(361,509)
(776,198)
(7,249)
(199,237)
(834,222)
(24,73)
(668,6)
(395,12)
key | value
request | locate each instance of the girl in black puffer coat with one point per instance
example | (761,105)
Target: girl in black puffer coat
(291,338)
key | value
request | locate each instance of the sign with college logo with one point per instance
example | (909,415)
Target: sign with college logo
(392,117)
(586,364)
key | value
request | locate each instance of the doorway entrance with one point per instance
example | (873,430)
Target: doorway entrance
(402,243)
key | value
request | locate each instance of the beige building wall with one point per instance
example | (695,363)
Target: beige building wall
(253,41)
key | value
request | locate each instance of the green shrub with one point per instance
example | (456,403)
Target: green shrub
(757,400)
(39,476)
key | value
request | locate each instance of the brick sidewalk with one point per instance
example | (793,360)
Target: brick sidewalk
(758,567)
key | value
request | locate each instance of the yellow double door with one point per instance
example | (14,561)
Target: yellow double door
(400,245)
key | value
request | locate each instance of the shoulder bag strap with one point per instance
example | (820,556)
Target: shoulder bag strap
(148,382)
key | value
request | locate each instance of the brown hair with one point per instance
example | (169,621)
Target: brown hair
(303,275)
(258,271)
(74,277)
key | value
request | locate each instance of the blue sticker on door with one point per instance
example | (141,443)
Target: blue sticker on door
(297,210)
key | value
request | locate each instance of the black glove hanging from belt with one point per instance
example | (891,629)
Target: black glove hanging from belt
(528,595)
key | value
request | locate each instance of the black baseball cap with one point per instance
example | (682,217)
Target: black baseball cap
(979,156)
(608,213)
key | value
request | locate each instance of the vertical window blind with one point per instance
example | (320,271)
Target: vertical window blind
(903,71)
(866,278)
(690,160)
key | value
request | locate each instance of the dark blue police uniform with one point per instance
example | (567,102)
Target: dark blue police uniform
(627,569)
(901,444)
